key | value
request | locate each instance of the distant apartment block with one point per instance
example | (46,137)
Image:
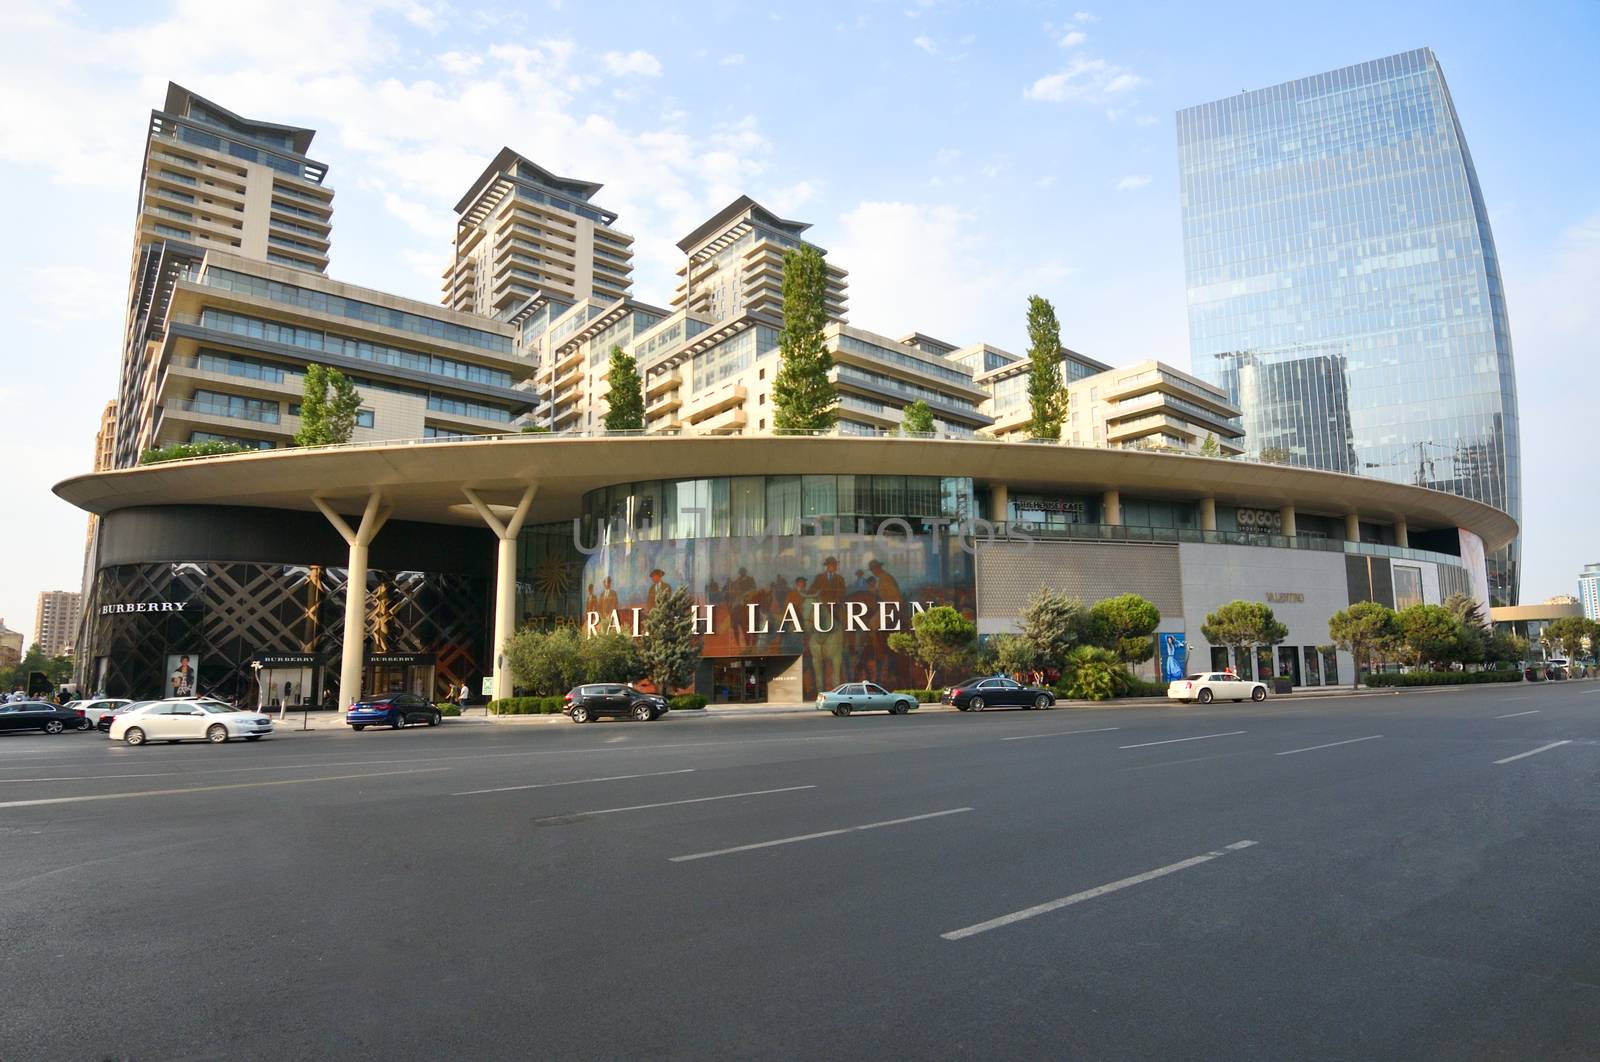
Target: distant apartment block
(211,181)
(734,264)
(55,620)
(10,647)
(1589,590)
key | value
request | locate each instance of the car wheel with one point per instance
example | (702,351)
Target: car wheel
(54,726)
(844,709)
(216,733)
(975,705)
(901,708)
(134,736)
(1041,702)
(1259,693)
(641,713)
(435,719)
(1204,697)
(398,721)
(580,714)
(358,727)
(84,724)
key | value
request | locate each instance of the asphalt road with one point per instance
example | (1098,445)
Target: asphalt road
(1407,876)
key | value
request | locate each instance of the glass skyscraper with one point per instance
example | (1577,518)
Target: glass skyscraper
(1343,283)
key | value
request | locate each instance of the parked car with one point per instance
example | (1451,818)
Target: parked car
(103,724)
(587,702)
(39,715)
(976,694)
(187,720)
(863,697)
(1208,686)
(393,710)
(96,710)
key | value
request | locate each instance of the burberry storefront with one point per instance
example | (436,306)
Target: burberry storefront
(249,604)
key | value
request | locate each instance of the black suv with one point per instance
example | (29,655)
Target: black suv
(608,698)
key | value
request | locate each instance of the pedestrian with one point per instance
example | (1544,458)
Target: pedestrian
(461,696)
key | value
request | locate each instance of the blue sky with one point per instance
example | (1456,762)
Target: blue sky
(955,157)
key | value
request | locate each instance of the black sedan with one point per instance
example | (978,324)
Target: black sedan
(587,702)
(38,715)
(976,694)
(103,724)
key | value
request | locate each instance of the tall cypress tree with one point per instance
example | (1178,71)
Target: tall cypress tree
(625,399)
(1045,391)
(803,397)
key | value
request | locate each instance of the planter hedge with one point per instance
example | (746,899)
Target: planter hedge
(922,696)
(448,709)
(1441,678)
(527,706)
(686,702)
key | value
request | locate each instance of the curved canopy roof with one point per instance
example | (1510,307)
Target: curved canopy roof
(423,480)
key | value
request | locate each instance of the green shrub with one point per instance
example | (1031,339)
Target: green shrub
(198,449)
(1441,678)
(448,709)
(1138,687)
(686,702)
(527,706)
(1093,674)
(922,696)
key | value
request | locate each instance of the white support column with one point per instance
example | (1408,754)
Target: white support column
(1352,527)
(1111,508)
(505,582)
(999,503)
(352,659)
(1208,514)
(1287,513)
(1402,533)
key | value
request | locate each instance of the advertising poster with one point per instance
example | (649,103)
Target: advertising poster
(1472,556)
(181,679)
(1173,652)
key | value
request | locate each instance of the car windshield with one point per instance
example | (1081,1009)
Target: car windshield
(1194,678)
(218,708)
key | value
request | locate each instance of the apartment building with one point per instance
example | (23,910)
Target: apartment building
(1004,376)
(522,233)
(10,647)
(733,264)
(211,180)
(55,620)
(239,334)
(574,358)
(1148,405)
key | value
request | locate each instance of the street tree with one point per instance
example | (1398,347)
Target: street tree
(1242,624)
(625,394)
(1571,634)
(1125,624)
(670,650)
(608,656)
(940,639)
(328,407)
(1052,623)
(1364,630)
(1466,609)
(1430,634)
(1014,655)
(917,418)
(803,398)
(545,663)
(1209,447)
(1045,392)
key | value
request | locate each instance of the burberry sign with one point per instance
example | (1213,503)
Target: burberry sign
(143,606)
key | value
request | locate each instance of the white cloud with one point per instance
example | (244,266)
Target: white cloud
(736,59)
(925,42)
(1085,17)
(1131,182)
(638,63)
(1084,80)
(1146,119)
(1074,38)
(459,63)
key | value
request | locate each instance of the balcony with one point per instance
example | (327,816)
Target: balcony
(663,404)
(717,402)
(666,381)
(728,422)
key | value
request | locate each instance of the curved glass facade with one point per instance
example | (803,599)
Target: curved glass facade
(1343,284)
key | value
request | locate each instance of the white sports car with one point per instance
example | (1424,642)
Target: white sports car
(1211,686)
(188,720)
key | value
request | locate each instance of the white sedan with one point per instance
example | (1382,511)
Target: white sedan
(188,720)
(93,709)
(1215,686)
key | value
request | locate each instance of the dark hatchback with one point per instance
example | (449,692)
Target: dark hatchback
(590,701)
(976,694)
(38,715)
(393,710)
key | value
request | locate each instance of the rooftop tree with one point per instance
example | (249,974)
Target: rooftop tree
(1045,392)
(625,395)
(328,407)
(803,398)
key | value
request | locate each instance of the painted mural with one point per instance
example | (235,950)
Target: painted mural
(832,599)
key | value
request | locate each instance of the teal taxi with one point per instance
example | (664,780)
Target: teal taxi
(863,697)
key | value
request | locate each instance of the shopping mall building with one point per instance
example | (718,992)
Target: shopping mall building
(802,554)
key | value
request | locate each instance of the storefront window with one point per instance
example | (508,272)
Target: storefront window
(1330,667)
(1289,662)
(748,502)
(1219,658)
(1313,666)
(783,505)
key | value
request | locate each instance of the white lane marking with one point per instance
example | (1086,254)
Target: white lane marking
(691,800)
(1533,752)
(210,788)
(1061,733)
(1177,763)
(1330,745)
(1090,894)
(1516,715)
(575,781)
(816,836)
(1174,741)
(93,777)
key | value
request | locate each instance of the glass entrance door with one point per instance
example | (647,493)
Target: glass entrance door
(739,681)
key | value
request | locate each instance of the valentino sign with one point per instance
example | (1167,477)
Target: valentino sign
(816,617)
